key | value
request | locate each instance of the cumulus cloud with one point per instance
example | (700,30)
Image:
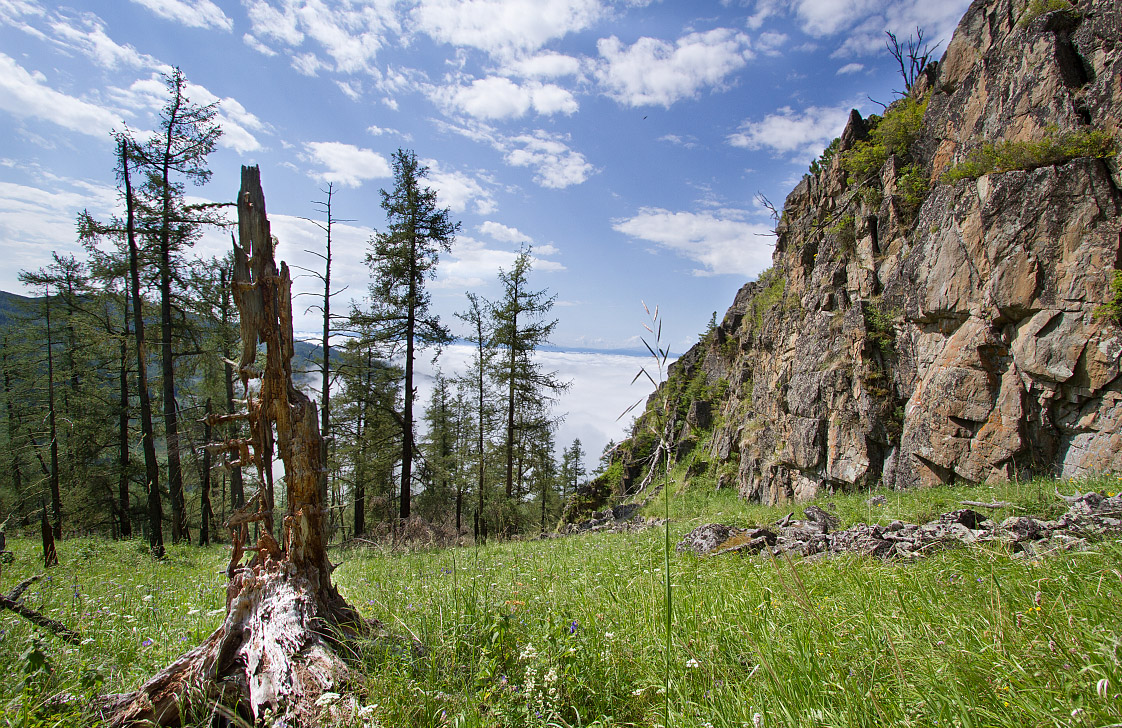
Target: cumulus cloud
(802,134)
(721,243)
(459,191)
(850,68)
(192,13)
(26,95)
(505,234)
(557,165)
(496,97)
(504,27)
(346,164)
(656,72)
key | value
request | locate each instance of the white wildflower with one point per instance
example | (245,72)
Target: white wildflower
(609,635)
(528,652)
(692,663)
(757,720)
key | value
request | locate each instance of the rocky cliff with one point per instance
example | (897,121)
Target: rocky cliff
(939,305)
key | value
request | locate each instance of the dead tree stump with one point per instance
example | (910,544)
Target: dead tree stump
(275,653)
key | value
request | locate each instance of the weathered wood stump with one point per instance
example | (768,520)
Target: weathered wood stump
(276,652)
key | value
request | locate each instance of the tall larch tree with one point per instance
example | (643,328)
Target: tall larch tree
(402,259)
(176,153)
(521,325)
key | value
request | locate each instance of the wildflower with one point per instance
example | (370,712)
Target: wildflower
(637,692)
(757,720)
(573,626)
(609,635)
(528,652)
(692,663)
(146,643)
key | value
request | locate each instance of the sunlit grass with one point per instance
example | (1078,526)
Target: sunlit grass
(568,631)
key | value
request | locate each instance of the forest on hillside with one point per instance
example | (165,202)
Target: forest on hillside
(119,381)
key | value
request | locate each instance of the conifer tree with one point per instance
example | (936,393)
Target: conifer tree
(521,326)
(402,259)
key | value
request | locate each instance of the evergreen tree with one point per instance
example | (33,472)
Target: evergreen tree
(478,380)
(402,260)
(175,153)
(572,468)
(521,325)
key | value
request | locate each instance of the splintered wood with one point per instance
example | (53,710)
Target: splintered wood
(272,656)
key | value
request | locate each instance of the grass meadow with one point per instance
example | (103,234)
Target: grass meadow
(570,631)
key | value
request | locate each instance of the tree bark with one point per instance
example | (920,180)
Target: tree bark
(56,494)
(271,653)
(205,508)
(148,439)
(123,503)
(237,490)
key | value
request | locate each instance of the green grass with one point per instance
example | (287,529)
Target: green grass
(569,631)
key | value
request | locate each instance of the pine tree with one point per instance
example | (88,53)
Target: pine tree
(401,260)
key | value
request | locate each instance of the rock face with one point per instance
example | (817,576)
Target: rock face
(956,335)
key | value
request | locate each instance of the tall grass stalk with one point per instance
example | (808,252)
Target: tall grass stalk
(660,427)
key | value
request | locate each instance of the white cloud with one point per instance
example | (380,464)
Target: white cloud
(26,95)
(346,164)
(192,13)
(655,72)
(545,65)
(506,234)
(473,264)
(802,134)
(35,220)
(496,97)
(721,244)
(826,17)
(557,165)
(257,45)
(850,68)
(87,35)
(504,27)
(458,191)
(350,34)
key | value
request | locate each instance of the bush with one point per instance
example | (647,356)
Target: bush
(1054,148)
(911,186)
(891,135)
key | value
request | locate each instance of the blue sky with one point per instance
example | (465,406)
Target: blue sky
(624,140)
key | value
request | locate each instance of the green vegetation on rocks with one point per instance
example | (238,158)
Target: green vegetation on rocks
(1053,148)
(892,134)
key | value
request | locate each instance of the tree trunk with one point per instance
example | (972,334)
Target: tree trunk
(237,490)
(205,509)
(148,439)
(271,653)
(56,495)
(50,556)
(123,503)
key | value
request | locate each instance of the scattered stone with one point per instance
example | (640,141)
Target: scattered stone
(1089,516)
(876,500)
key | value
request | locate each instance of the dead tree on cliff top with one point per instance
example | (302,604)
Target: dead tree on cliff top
(275,652)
